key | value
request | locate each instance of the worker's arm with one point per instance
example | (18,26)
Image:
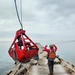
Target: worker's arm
(45,48)
(55,47)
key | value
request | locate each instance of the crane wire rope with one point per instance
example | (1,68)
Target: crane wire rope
(20,20)
(21,9)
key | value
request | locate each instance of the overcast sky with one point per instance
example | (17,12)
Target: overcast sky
(45,21)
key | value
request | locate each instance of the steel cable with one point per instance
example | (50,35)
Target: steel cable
(20,20)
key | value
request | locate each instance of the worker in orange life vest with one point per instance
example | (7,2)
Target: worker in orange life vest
(50,60)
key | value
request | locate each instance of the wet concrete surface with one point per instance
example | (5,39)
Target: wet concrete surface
(38,70)
(60,70)
(42,69)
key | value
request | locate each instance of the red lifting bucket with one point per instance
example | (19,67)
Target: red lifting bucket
(23,48)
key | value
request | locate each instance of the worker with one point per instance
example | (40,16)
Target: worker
(51,56)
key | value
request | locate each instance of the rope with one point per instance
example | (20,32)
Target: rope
(21,9)
(20,20)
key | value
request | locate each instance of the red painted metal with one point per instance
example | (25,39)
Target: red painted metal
(23,48)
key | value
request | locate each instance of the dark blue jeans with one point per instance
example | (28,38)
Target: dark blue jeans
(50,65)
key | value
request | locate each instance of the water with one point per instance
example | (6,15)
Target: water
(65,51)
(6,63)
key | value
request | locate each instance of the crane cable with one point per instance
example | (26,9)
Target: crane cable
(20,20)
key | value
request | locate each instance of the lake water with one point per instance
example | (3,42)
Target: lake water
(65,51)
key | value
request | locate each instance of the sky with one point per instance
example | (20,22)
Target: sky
(45,21)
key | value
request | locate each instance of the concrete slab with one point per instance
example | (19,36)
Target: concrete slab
(60,70)
(42,69)
(38,70)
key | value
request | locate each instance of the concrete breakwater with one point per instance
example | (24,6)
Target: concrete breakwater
(69,67)
(39,67)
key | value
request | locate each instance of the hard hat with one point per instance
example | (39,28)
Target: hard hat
(51,46)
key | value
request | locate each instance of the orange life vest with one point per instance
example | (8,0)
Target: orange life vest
(52,54)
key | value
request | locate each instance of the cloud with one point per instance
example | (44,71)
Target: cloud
(43,20)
